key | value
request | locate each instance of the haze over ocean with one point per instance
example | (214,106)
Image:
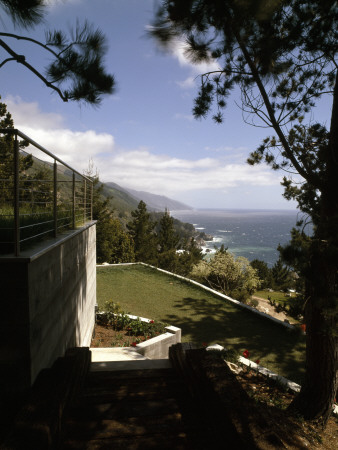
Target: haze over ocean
(254,234)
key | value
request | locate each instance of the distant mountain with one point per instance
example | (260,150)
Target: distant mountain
(154,202)
(120,201)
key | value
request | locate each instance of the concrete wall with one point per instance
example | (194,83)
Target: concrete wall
(47,305)
(158,346)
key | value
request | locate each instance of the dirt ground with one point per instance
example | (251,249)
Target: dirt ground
(105,336)
(264,306)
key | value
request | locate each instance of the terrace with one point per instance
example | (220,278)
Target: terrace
(47,260)
(40,195)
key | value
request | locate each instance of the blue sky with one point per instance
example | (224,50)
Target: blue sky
(144,136)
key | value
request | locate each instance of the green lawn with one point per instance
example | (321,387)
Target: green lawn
(202,316)
(277,296)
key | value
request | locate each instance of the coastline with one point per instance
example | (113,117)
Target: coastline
(254,233)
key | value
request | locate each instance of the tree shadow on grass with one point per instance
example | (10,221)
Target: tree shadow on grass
(277,347)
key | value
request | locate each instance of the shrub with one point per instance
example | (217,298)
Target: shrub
(254,303)
(120,320)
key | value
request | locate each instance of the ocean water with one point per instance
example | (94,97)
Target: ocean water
(254,234)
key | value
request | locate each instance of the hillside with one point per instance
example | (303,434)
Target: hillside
(120,201)
(154,202)
(123,203)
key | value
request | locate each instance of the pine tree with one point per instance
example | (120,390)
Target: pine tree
(141,229)
(75,70)
(263,272)
(113,244)
(280,275)
(283,57)
(7,158)
(168,239)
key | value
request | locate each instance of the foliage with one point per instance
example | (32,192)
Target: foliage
(169,257)
(141,230)
(253,302)
(168,239)
(7,158)
(120,320)
(35,192)
(113,244)
(232,276)
(281,276)
(75,69)
(282,57)
(263,272)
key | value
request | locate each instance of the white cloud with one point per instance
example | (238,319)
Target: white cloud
(75,148)
(29,114)
(136,168)
(142,170)
(178,51)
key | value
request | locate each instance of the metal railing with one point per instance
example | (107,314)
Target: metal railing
(41,196)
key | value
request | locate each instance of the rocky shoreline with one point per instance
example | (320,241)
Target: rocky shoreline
(202,237)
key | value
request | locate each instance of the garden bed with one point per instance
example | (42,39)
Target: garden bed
(106,336)
(150,338)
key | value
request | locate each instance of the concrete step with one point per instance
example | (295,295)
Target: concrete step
(115,354)
(140,409)
(135,364)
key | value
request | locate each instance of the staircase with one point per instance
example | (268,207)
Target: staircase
(135,409)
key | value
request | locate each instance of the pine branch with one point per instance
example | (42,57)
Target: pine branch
(257,78)
(22,60)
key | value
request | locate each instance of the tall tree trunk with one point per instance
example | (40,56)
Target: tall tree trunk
(321,380)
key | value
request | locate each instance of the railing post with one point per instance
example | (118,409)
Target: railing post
(84,202)
(16,198)
(73,213)
(55,200)
(91,200)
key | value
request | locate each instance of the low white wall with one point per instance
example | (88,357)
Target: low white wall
(158,347)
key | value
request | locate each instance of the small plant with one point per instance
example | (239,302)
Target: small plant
(254,303)
(232,355)
(97,342)
(122,321)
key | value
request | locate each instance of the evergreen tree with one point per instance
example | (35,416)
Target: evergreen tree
(263,272)
(141,229)
(283,57)
(113,244)
(280,275)
(75,69)
(7,158)
(168,239)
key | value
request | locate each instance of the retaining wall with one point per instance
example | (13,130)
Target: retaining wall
(48,299)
